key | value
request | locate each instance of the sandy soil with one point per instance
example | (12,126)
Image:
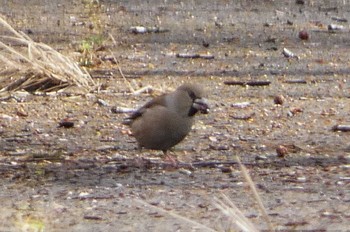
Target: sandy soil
(92,178)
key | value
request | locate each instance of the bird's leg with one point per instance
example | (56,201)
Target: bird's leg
(173,161)
(139,160)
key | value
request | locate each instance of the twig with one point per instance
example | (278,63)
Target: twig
(147,88)
(143,30)
(194,56)
(343,128)
(295,81)
(122,110)
(250,83)
(135,92)
(121,73)
(112,38)
(92,217)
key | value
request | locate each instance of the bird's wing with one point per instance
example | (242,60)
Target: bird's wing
(158,101)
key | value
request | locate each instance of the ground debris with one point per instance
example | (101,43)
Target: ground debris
(241,104)
(144,30)
(195,56)
(343,128)
(121,110)
(93,217)
(296,223)
(249,83)
(99,156)
(288,54)
(243,117)
(297,81)
(66,123)
(335,27)
(339,19)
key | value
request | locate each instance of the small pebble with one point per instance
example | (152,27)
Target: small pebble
(101,102)
(227,169)
(66,123)
(185,171)
(260,157)
(281,151)
(304,35)
(278,100)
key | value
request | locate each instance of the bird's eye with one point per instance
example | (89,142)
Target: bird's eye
(192,95)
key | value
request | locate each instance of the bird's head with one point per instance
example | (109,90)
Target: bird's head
(195,95)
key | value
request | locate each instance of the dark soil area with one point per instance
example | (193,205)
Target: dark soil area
(91,177)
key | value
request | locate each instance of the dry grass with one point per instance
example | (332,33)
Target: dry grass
(36,66)
(256,195)
(228,208)
(198,225)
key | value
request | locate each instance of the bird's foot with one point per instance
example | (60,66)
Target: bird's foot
(173,162)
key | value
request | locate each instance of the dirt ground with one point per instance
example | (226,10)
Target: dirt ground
(91,177)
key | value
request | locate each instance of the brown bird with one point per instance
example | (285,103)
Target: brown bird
(166,120)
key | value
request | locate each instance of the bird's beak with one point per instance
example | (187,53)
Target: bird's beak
(201,104)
